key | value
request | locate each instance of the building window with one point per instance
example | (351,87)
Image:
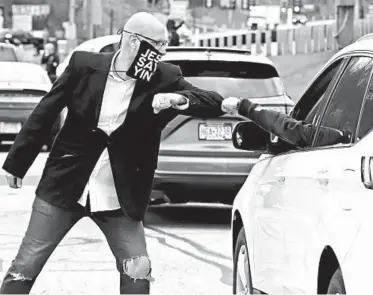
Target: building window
(228,4)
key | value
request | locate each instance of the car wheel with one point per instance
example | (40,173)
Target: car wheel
(336,285)
(242,283)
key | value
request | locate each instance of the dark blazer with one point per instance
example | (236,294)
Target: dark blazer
(133,147)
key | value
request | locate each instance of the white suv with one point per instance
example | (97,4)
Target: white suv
(302,222)
(100,44)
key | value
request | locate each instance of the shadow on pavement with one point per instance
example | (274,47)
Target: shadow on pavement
(159,219)
(194,215)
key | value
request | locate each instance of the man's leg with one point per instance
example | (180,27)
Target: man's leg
(47,227)
(126,239)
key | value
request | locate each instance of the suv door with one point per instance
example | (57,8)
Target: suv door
(359,199)
(319,183)
(269,229)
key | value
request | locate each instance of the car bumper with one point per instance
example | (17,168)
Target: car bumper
(202,176)
(20,117)
(217,181)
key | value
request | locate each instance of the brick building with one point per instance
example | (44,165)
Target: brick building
(57,15)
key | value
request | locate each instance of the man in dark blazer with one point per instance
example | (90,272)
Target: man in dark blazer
(103,160)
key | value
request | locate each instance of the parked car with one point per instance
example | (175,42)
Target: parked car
(300,19)
(8,52)
(197,160)
(302,221)
(22,85)
(17,37)
(100,44)
(257,23)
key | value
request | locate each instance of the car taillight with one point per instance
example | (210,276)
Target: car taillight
(282,109)
(21,96)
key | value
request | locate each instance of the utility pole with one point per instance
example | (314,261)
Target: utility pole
(71,30)
(345,15)
(111,21)
(194,19)
(72,11)
(192,7)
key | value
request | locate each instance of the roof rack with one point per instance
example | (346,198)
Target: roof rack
(207,49)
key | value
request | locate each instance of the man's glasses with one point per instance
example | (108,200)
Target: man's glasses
(157,43)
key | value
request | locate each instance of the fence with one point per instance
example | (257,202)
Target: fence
(283,41)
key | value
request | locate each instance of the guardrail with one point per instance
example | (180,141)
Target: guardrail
(284,41)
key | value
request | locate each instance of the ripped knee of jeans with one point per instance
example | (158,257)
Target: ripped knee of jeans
(138,268)
(19,277)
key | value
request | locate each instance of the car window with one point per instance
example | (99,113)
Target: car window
(233,78)
(366,119)
(310,106)
(345,104)
(110,48)
(7,54)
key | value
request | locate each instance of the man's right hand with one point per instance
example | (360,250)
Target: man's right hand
(13,181)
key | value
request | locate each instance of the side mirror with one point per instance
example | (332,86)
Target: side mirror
(248,136)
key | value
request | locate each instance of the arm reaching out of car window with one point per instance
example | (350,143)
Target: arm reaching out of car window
(298,133)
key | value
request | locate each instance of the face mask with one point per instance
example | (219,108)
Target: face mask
(145,62)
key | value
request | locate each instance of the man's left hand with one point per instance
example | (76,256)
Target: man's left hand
(164,101)
(230,105)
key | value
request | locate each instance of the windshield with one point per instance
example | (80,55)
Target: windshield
(238,79)
(7,54)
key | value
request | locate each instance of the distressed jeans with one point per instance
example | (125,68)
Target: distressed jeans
(48,226)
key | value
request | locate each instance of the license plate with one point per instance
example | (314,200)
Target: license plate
(7,127)
(215,131)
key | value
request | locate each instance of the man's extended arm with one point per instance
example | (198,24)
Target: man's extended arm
(196,102)
(289,129)
(37,128)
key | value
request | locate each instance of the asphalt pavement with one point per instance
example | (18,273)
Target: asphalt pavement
(189,245)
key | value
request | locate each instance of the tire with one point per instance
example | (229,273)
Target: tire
(336,285)
(241,245)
